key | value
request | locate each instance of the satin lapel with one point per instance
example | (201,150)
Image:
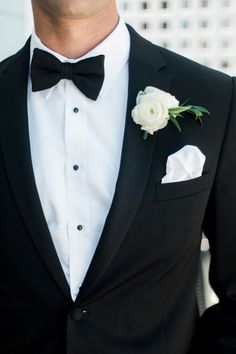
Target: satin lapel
(17,157)
(144,65)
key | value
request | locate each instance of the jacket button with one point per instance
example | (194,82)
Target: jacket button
(77,314)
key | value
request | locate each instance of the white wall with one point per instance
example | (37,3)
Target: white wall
(15,25)
(204,30)
(213,45)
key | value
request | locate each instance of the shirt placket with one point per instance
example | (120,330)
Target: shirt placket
(76,185)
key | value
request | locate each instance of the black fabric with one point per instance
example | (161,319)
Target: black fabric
(87,74)
(138,296)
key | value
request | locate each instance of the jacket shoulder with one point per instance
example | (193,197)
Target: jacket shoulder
(177,63)
(4,63)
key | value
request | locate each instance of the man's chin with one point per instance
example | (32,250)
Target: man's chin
(69,9)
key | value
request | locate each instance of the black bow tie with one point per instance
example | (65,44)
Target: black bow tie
(87,74)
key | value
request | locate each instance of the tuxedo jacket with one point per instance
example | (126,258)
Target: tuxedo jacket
(138,296)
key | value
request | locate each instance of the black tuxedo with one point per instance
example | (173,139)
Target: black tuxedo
(138,296)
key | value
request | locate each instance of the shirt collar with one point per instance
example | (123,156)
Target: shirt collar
(115,47)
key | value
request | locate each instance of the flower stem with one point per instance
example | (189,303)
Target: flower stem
(145,135)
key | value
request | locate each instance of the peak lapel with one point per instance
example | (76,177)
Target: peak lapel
(144,70)
(15,146)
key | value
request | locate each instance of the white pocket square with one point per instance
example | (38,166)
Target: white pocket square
(185,164)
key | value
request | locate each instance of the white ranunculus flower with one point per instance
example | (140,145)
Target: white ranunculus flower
(151,111)
(165,97)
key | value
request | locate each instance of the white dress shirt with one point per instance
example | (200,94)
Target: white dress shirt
(76,148)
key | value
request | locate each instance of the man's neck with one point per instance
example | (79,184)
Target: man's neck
(73,38)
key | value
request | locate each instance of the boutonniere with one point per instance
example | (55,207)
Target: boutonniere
(155,108)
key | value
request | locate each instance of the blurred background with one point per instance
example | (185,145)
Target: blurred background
(203,30)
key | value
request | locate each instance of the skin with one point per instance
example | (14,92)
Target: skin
(74,27)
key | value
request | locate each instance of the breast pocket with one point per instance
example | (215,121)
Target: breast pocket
(176,190)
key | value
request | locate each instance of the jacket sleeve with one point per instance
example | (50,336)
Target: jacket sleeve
(217,327)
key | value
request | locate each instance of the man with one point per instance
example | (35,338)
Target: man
(97,254)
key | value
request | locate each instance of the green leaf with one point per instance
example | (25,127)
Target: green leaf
(179,109)
(200,120)
(184,103)
(196,112)
(176,116)
(201,109)
(175,122)
(145,135)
